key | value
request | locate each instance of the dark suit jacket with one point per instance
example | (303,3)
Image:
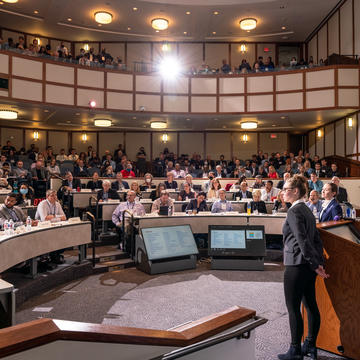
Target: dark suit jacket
(94,185)
(173,185)
(342,195)
(332,210)
(75,183)
(239,194)
(256,205)
(42,171)
(280,184)
(78,172)
(302,243)
(115,185)
(112,194)
(193,205)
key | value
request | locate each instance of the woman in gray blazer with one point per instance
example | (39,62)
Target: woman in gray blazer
(303,260)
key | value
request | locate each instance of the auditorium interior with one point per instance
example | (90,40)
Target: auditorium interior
(144,147)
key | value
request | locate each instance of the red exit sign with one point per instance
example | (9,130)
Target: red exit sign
(273,136)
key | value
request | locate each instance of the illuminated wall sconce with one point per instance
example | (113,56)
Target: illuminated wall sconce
(243,48)
(319,133)
(165,47)
(350,122)
(84,138)
(244,138)
(164,138)
(86,47)
(36,135)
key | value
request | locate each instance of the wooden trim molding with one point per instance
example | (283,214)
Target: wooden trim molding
(39,332)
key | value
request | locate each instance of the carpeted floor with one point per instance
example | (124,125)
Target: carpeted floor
(132,298)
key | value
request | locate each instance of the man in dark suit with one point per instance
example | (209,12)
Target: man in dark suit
(342,195)
(281,183)
(320,173)
(198,204)
(119,184)
(331,208)
(80,170)
(334,171)
(39,179)
(244,193)
(107,193)
(94,183)
(170,183)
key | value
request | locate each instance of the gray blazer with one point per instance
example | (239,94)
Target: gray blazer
(5,215)
(302,243)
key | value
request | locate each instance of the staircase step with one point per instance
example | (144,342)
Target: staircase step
(114,265)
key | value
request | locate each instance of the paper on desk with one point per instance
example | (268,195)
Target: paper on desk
(42,309)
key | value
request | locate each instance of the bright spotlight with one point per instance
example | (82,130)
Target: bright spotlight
(169,68)
(92,103)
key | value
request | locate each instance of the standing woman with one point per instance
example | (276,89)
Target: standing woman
(303,260)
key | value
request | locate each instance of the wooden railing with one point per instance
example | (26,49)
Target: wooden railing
(43,331)
(347,167)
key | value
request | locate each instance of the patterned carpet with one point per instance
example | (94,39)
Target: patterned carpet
(132,298)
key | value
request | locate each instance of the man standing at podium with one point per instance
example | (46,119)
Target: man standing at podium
(303,260)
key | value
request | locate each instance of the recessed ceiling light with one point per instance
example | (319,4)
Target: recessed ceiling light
(283,117)
(102,122)
(103,17)
(283,28)
(100,25)
(157,30)
(273,125)
(135,8)
(46,110)
(160,23)
(214,32)
(188,13)
(69,19)
(185,32)
(188,119)
(248,24)
(158,124)
(129,28)
(8,114)
(36,11)
(249,125)
(216,13)
(11,1)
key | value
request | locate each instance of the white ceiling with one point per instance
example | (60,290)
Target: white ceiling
(299,17)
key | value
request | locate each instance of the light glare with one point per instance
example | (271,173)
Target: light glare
(169,68)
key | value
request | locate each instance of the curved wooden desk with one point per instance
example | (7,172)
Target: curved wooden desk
(41,240)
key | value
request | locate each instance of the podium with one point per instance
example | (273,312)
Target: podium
(338,297)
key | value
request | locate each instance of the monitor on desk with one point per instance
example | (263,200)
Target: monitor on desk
(236,240)
(169,242)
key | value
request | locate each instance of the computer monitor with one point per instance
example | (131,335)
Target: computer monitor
(169,242)
(236,240)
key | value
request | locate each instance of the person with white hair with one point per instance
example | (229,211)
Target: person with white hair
(342,195)
(107,192)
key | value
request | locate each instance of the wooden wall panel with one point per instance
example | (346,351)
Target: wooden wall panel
(351,138)
(333,25)
(339,128)
(119,101)
(149,102)
(218,144)
(58,140)
(237,55)
(61,74)
(59,94)
(41,143)
(271,51)
(119,81)
(4,64)
(159,146)
(190,55)
(134,140)
(203,104)
(176,104)
(27,68)
(289,82)
(79,46)
(80,145)
(190,143)
(320,99)
(269,145)
(14,135)
(27,90)
(138,52)
(148,83)
(311,139)
(329,140)
(232,85)
(245,151)
(346,29)
(215,53)
(84,96)
(110,141)
(116,50)
(322,43)
(232,104)
(357,26)
(320,144)
(312,49)
(203,86)
(90,78)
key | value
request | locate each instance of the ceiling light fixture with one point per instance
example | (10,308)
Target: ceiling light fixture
(10,1)
(129,28)
(216,13)
(185,32)
(283,28)
(249,125)
(188,13)
(8,114)
(102,122)
(214,32)
(103,17)
(135,8)
(160,23)
(69,19)
(36,11)
(248,24)
(158,124)
(92,103)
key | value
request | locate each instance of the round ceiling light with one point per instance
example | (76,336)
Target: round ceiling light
(248,24)
(249,125)
(158,124)
(160,24)
(103,17)
(10,1)
(8,114)
(102,122)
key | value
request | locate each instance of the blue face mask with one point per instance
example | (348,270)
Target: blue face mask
(24,191)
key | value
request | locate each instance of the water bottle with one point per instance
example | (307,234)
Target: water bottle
(169,210)
(315,213)
(28,223)
(248,208)
(15,187)
(353,213)
(11,227)
(6,227)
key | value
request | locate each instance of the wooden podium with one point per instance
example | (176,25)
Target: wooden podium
(338,297)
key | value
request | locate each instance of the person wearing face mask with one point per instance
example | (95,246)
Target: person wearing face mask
(207,184)
(148,184)
(25,198)
(293,62)
(128,172)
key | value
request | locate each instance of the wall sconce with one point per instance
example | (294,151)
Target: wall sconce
(38,40)
(164,138)
(165,47)
(84,138)
(350,122)
(244,138)
(319,133)
(86,47)
(36,135)
(243,48)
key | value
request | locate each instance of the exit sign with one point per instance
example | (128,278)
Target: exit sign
(273,136)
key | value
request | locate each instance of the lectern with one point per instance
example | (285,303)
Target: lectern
(338,297)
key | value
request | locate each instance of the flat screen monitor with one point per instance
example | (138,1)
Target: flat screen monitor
(236,240)
(169,242)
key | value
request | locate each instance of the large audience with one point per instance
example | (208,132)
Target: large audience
(103,58)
